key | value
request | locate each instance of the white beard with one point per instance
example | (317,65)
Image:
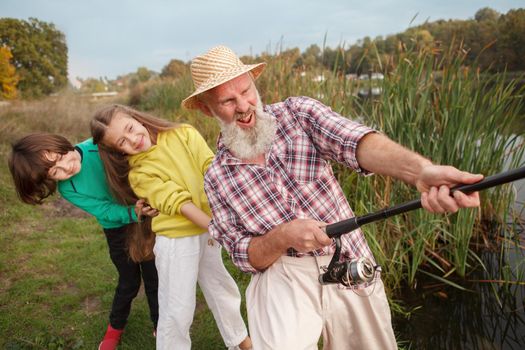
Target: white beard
(249,143)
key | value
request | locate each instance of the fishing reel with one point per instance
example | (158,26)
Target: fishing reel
(348,273)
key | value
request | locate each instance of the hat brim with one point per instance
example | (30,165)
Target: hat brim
(190,102)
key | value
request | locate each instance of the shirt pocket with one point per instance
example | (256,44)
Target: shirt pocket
(300,158)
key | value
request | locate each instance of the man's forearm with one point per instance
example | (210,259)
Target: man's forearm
(265,250)
(378,154)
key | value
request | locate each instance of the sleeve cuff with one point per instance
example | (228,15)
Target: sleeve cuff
(240,255)
(132,215)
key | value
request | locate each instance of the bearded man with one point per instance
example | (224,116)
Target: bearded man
(272,191)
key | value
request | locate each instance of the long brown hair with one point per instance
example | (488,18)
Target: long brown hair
(29,165)
(141,238)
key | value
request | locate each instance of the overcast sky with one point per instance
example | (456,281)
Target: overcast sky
(107,38)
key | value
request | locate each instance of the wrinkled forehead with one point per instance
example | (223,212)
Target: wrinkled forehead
(230,87)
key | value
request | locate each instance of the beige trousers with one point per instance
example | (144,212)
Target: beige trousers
(289,309)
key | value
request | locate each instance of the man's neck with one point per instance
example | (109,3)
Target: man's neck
(259,160)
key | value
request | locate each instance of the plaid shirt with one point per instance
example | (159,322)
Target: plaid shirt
(248,200)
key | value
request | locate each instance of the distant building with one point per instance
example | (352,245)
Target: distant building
(373,76)
(99,95)
(318,78)
(373,92)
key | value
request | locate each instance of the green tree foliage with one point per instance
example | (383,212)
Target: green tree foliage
(174,69)
(144,74)
(512,39)
(312,56)
(495,41)
(486,14)
(39,55)
(8,75)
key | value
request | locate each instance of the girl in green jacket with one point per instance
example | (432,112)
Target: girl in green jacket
(41,162)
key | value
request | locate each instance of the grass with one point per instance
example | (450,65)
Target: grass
(58,284)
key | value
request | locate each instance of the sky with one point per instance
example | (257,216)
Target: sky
(108,38)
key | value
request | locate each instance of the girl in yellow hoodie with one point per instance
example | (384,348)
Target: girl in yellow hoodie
(165,163)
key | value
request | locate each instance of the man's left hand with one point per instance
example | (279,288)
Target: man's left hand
(435,182)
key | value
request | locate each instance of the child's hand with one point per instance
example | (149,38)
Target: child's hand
(144,209)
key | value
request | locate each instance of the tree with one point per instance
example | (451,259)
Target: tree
(312,56)
(144,74)
(174,69)
(486,14)
(512,40)
(39,55)
(8,76)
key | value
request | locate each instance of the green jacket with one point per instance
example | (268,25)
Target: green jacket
(89,190)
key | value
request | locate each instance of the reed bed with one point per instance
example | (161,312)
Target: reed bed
(433,104)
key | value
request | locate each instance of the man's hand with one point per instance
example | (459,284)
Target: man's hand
(434,183)
(144,209)
(304,235)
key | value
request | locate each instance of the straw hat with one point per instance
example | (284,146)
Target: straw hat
(217,66)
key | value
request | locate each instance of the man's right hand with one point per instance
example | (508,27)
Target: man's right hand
(304,235)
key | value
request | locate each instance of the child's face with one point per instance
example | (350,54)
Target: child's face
(66,165)
(127,135)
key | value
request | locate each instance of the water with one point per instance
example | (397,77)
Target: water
(487,316)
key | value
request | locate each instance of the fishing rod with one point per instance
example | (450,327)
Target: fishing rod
(362,270)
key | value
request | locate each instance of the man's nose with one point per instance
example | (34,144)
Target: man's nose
(242,105)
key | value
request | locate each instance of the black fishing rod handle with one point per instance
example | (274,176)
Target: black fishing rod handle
(338,228)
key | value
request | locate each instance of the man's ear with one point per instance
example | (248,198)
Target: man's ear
(203,108)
